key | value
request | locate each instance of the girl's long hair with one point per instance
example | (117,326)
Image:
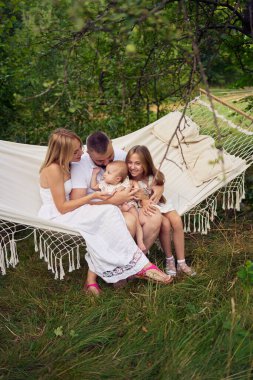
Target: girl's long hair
(148,165)
(60,149)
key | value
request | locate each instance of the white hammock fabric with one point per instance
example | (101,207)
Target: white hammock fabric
(193,168)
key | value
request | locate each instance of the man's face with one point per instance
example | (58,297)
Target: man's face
(102,160)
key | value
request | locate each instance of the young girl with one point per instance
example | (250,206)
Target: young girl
(115,178)
(141,168)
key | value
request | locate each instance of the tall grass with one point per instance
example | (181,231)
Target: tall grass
(197,328)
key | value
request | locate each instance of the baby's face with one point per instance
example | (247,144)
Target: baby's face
(111,175)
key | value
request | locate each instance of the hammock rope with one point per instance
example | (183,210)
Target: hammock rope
(63,250)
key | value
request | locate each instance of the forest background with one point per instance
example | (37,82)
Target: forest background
(105,64)
(117,66)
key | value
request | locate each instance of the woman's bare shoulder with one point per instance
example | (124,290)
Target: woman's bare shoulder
(53,171)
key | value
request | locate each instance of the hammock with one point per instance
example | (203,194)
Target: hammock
(195,174)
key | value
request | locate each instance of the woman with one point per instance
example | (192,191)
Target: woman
(111,252)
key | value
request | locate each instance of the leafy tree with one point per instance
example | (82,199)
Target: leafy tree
(104,64)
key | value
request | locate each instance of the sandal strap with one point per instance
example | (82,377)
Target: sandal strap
(95,285)
(144,270)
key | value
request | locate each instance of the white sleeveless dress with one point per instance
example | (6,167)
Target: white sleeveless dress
(111,251)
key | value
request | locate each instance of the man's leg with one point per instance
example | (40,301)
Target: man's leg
(151,225)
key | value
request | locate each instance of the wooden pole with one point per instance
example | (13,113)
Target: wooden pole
(227,105)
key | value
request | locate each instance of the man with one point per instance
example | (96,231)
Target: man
(100,152)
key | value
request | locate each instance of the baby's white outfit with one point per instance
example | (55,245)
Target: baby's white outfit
(109,188)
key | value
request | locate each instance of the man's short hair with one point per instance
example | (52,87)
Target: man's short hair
(121,167)
(98,142)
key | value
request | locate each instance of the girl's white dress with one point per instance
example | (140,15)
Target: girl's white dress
(111,251)
(163,207)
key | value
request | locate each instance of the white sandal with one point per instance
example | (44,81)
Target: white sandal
(183,268)
(170,267)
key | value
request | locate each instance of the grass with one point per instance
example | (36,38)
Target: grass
(197,328)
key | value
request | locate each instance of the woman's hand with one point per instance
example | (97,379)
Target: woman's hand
(148,207)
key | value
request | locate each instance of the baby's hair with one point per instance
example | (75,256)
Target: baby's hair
(121,167)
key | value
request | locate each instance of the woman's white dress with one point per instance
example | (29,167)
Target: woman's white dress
(111,251)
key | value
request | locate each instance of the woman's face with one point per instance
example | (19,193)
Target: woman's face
(78,151)
(135,167)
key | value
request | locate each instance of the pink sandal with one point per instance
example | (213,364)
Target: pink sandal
(94,285)
(144,274)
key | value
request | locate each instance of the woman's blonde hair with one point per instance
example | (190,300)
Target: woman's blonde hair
(148,165)
(60,148)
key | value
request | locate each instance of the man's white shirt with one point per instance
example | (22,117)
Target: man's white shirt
(81,172)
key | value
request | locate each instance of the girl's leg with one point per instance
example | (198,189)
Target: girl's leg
(178,233)
(139,232)
(178,238)
(165,240)
(164,236)
(151,225)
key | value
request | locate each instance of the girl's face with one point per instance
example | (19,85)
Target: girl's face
(135,167)
(77,151)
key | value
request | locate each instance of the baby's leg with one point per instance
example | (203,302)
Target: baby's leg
(124,207)
(139,232)
(130,220)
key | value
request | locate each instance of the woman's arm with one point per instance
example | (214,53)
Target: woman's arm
(55,182)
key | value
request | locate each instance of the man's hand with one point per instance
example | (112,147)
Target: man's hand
(157,193)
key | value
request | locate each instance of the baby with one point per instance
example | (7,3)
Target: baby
(115,179)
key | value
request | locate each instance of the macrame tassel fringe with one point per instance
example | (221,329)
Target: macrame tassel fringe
(2,260)
(35,241)
(53,251)
(8,252)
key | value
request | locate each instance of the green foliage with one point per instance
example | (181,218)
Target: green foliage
(245,274)
(102,65)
